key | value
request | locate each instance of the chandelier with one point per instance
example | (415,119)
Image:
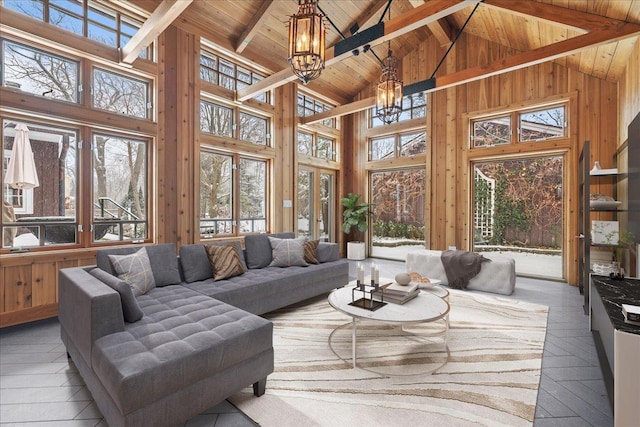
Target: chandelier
(389,91)
(306,41)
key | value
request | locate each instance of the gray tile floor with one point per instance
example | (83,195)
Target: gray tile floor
(39,387)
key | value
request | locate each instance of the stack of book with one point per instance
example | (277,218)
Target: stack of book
(395,293)
(631,314)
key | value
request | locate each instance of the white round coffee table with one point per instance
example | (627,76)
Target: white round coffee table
(424,308)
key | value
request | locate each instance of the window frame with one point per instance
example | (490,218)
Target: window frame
(236,217)
(397,147)
(514,115)
(148,105)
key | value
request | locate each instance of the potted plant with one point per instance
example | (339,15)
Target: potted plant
(355,215)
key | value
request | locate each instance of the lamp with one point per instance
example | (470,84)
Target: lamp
(306,41)
(389,91)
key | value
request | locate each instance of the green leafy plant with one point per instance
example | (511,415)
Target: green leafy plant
(355,214)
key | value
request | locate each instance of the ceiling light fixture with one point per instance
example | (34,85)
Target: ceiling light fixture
(306,41)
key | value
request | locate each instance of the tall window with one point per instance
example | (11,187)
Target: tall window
(119,188)
(398,222)
(223,176)
(39,192)
(97,22)
(34,71)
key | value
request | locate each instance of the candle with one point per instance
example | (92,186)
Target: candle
(376,276)
(373,271)
(360,272)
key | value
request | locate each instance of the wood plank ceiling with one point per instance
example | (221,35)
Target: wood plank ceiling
(258,29)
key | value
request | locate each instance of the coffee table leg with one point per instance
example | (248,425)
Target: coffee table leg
(353,342)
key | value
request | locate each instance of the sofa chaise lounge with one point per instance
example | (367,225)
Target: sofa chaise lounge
(198,340)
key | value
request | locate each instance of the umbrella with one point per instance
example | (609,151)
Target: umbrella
(21,171)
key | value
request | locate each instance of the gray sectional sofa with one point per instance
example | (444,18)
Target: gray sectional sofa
(198,341)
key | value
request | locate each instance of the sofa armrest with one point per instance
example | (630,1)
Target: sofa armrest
(328,251)
(88,309)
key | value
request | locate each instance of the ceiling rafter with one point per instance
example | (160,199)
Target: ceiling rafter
(367,19)
(598,30)
(441,29)
(253,26)
(158,21)
(395,27)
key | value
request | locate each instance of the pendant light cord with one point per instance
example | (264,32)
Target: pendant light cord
(454,40)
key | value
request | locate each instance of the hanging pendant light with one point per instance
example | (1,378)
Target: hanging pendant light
(389,91)
(306,41)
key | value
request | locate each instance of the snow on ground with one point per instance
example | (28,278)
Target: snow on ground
(527,263)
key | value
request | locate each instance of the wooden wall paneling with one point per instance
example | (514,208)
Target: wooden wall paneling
(44,283)
(284,179)
(187,123)
(629,92)
(17,288)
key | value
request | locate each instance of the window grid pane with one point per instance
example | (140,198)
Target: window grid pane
(216,119)
(46,213)
(491,132)
(253,196)
(253,129)
(34,71)
(383,148)
(326,148)
(412,144)
(305,143)
(216,194)
(120,94)
(119,188)
(541,125)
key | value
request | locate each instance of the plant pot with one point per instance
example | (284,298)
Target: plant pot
(355,250)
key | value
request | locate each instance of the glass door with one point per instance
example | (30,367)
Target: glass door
(518,212)
(316,201)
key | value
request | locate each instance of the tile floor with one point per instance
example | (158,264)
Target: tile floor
(38,387)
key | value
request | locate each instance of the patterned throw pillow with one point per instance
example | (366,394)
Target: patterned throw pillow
(310,248)
(225,261)
(287,252)
(135,269)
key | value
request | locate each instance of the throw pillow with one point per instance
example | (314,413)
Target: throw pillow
(287,252)
(130,309)
(135,269)
(310,248)
(225,261)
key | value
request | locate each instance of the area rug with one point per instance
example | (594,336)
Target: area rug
(487,373)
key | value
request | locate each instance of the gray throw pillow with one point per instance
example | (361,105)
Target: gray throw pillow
(327,252)
(258,250)
(135,269)
(130,309)
(164,264)
(287,252)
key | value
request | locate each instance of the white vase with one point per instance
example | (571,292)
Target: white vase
(355,250)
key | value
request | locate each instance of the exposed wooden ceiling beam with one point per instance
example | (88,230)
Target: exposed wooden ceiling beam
(395,27)
(441,29)
(612,31)
(253,26)
(158,21)
(366,19)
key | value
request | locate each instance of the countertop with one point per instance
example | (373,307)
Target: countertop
(614,293)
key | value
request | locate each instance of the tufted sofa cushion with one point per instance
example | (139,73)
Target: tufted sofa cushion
(183,337)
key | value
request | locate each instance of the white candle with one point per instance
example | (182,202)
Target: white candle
(360,269)
(373,271)
(376,276)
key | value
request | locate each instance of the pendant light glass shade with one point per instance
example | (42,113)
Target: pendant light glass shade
(389,91)
(306,41)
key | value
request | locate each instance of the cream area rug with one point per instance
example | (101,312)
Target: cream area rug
(487,373)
